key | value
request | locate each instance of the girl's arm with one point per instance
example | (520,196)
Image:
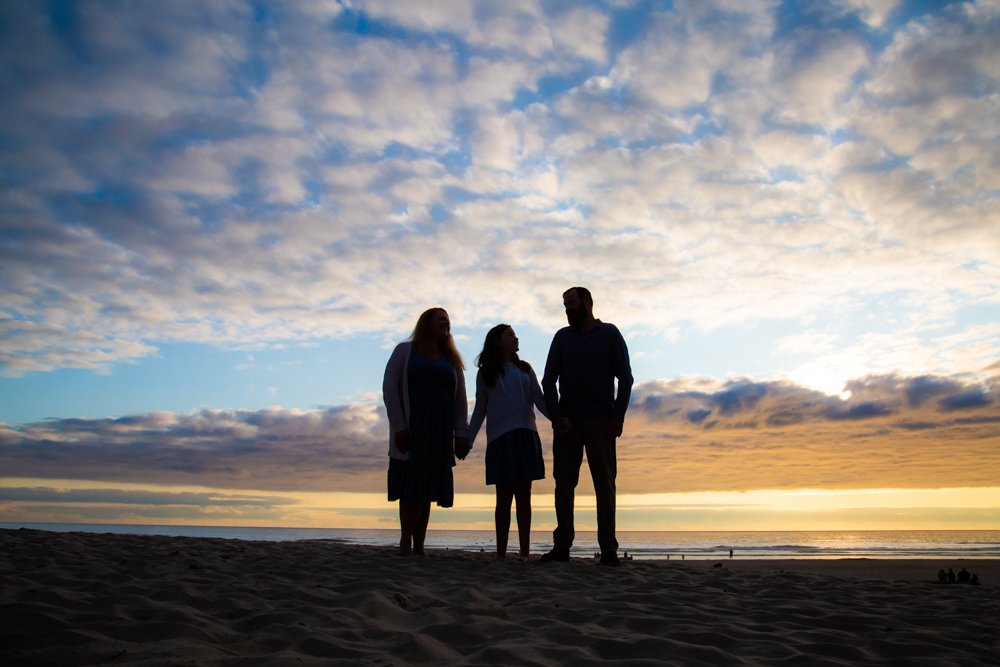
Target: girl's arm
(479,412)
(537,397)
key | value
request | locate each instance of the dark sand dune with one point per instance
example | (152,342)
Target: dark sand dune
(90,599)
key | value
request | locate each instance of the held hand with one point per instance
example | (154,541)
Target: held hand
(614,427)
(562,427)
(462,448)
(403,441)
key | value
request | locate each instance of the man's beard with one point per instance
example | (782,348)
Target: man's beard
(574,316)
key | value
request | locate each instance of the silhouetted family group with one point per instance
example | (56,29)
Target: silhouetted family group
(425,399)
(963,577)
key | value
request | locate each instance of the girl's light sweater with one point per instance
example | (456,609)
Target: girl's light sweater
(507,405)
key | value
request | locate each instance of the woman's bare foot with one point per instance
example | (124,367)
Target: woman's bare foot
(501,556)
(420,552)
(524,557)
(405,551)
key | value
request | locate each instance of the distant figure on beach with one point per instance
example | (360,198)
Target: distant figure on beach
(507,393)
(585,358)
(424,394)
(942,577)
(963,575)
(730,554)
(951,576)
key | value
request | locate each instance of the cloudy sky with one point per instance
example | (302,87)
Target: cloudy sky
(217,218)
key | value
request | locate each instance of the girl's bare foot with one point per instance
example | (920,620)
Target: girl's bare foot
(524,557)
(501,556)
(420,552)
(405,551)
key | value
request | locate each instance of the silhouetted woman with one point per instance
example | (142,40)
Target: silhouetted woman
(424,394)
(506,393)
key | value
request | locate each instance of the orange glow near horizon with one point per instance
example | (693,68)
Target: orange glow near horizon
(75,501)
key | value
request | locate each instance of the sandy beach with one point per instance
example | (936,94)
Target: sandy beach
(84,598)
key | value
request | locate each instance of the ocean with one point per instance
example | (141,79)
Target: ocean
(640,544)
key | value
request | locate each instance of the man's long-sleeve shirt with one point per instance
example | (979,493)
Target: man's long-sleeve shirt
(586,366)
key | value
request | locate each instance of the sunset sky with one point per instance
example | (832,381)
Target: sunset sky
(216,219)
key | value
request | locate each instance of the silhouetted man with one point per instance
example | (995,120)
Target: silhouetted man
(585,358)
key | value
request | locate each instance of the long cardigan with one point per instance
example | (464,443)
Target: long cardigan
(396,394)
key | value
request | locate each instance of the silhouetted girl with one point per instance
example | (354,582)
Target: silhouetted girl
(506,393)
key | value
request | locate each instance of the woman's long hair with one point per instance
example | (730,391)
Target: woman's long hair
(490,360)
(425,344)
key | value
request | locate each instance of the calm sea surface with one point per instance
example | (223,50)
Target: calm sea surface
(641,544)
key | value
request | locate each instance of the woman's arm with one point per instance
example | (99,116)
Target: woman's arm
(392,394)
(462,446)
(461,406)
(479,412)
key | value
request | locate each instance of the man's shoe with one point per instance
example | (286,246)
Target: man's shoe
(611,560)
(557,554)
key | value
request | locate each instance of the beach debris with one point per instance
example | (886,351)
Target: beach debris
(406,602)
(717,565)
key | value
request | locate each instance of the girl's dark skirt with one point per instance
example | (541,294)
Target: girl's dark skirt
(515,458)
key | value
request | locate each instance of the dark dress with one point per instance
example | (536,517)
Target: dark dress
(515,458)
(427,476)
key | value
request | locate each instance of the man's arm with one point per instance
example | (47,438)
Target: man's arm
(623,371)
(552,370)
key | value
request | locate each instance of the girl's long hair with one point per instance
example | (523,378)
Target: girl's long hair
(424,342)
(490,360)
